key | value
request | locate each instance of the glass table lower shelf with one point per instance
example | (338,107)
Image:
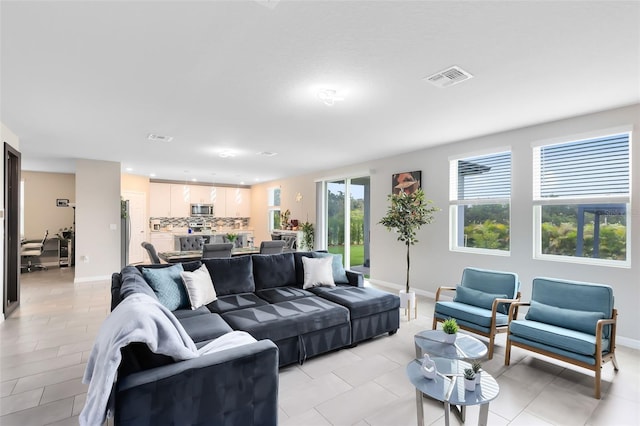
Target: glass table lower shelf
(448,387)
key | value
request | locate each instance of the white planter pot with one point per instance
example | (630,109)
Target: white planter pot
(449,338)
(478,377)
(470,385)
(407,299)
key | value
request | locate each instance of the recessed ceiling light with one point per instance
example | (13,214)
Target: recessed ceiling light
(267,153)
(159,138)
(194,180)
(226,153)
(329,97)
(242,183)
(129,169)
(152,175)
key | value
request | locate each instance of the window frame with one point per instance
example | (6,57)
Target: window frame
(455,203)
(538,201)
(273,209)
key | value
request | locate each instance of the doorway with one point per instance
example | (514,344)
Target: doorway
(348,221)
(12,159)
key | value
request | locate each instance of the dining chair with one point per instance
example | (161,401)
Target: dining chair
(151,250)
(272,247)
(216,250)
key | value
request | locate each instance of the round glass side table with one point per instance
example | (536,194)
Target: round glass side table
(465,347)
(448,387)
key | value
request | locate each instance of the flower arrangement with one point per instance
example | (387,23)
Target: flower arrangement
(284,218)
(308,236)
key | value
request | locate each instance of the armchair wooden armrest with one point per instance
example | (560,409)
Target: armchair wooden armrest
(612,335)
(497,301)
(441,289)
(513,309)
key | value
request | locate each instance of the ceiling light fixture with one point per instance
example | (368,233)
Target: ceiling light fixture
(226,154)
(329,97)
(266,153)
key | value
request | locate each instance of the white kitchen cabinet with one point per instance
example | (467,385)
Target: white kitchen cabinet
(238,202)
(203,194)
(159,200)
(162,241)
(220,202)
(180,200)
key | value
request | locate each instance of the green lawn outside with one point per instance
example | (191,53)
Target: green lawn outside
(357,253)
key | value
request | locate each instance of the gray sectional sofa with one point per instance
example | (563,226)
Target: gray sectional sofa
(262,295)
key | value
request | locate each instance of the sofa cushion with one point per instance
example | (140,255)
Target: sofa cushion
(361,301)
(232,302)
(479,298)
(317,272)
(199,287)
(273,270)
(282,294)
(187,266)
(133,282)
(288,319)
(558,337)
(168,286)
(232,275)
(337,269)
(469,313)
(573,295)
(297,259)
(188,312)
(584,321)
(205,327)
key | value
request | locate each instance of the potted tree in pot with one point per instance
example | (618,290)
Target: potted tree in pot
(407,212)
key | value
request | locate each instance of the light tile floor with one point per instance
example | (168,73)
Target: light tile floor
(45,344)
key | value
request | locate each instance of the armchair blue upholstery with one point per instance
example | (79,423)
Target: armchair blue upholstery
(237,386)
(571,321)
(481,303)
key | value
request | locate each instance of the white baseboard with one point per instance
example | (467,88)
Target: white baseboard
(620,340)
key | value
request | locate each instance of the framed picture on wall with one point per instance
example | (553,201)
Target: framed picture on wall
(407,182)
(62,202)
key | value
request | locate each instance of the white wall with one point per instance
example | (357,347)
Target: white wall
(97,213)
(8,136)
(433,264)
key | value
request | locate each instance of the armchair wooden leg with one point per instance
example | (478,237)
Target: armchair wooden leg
(435,323)
(614,361)
(491,342)
(507,352)
(597,381)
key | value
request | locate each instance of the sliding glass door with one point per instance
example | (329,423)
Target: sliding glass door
(347,223)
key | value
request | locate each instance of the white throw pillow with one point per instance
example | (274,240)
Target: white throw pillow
(317,271)
(199,287)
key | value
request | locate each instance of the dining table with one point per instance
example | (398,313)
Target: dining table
(189,255)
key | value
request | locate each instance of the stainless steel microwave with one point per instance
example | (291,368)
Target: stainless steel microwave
(201,209)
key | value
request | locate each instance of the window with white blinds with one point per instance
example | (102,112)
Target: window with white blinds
(581,196)
(480,196)
(482,178)
(592,168)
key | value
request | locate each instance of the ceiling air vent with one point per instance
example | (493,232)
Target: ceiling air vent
(159,138)
(449,77)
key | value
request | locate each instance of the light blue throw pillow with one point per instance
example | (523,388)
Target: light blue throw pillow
(168,286)
(470,296)
(584,321)
(339,274)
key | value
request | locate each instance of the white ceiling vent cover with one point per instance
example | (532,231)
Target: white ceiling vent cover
(449,77)
(159,138)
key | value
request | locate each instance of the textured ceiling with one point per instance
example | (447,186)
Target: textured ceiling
(93,79)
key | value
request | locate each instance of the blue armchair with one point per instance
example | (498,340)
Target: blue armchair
(481,302)
(571,321)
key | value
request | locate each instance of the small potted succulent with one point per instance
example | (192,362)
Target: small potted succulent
(476,366)
(450,328)
(469,379)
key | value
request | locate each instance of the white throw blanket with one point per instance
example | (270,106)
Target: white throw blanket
(138,318)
